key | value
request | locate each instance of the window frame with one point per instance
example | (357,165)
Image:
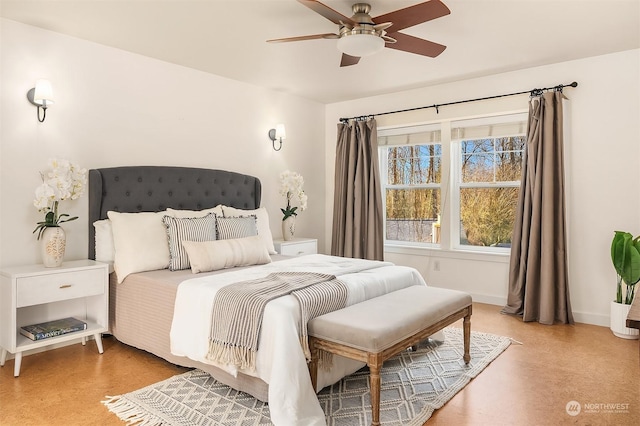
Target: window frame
(458,185)
(450,181)
(383,154)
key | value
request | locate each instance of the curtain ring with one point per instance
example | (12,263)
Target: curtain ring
(536,92)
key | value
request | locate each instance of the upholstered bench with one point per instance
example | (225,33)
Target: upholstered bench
(377,329)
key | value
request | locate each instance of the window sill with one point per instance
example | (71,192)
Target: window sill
(499,257)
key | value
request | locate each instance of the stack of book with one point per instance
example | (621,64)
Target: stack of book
(52,328)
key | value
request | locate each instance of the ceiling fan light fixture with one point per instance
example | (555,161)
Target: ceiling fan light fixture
(360,44)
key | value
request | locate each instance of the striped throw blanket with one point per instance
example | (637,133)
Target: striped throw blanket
(238,309)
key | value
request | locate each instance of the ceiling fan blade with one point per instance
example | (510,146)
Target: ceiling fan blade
(301,38)
(324,10)
(348,60)
(414,15)
(415,45)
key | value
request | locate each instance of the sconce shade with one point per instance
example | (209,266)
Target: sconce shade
(279,133)
(43,95)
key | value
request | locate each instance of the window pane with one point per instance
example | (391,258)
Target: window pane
(477,167)
(509,157)
(412,215)
(477,160)
(492,160)
(487,216)
(414,164)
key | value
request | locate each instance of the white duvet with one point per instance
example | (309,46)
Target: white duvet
(280,359)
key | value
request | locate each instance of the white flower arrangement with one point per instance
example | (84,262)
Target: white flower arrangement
(65,181)
(291,185)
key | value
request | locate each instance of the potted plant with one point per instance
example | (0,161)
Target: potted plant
(290,186)
(625,255)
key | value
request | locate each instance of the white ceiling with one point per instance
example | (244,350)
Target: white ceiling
(227,38)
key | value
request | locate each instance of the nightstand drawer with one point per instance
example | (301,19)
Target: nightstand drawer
(299,248)
(63,286)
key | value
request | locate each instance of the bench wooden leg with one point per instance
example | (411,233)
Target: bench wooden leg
(374,384)
(466,325)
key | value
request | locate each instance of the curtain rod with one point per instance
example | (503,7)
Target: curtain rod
(532,92)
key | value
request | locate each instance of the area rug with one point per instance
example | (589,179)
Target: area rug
(414,384)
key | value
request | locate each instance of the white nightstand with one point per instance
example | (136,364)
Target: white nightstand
(297,246)
(32,294)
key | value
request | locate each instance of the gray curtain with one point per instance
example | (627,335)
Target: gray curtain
(357,203)
(538,283)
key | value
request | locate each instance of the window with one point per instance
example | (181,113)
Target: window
(411,175)
(479,165)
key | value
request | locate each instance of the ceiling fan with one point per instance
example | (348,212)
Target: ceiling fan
(362,35)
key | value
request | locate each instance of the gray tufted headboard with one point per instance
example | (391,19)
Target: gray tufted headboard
(156,188)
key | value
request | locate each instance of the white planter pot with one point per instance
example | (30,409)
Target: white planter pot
(289,228)
(618,324)
(52,245)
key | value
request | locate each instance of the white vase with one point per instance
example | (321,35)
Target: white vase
(289,228)
(618,322)
(53,243)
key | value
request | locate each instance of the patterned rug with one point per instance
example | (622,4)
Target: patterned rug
(414,384)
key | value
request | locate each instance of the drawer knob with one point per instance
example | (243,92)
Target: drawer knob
(65,286)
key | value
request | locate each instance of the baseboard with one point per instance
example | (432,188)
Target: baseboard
(489,300)
(581,317)
(593,319)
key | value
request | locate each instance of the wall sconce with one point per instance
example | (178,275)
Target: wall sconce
(41,96)
(278,133)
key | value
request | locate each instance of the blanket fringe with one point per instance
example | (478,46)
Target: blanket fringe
(226,354)
(325,360)
(130,412)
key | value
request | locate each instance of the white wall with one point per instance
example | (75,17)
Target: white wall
(603,153)
(115,108)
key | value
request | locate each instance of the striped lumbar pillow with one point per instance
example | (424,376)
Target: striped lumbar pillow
(187,229)
(236,227)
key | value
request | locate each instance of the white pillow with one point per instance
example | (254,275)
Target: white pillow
(105,251)
(195,213)
(220,254)
(140,241)
(262,220)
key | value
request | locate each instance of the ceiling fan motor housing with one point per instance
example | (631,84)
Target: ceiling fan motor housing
(361,13)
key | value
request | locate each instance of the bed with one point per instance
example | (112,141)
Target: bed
(154,309)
